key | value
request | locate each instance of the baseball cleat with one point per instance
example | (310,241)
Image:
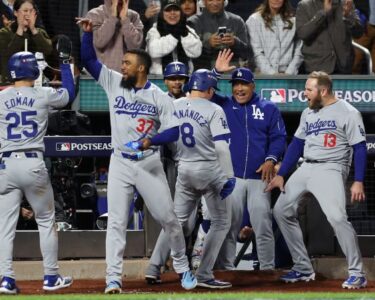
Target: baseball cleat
(215,284)
(56,282)
(355,282)
(188,280)
(8,286)
(294,276)
(114,287)
(153,279)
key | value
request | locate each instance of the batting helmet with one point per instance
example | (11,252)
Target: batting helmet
(23,65)
(201,80)
(176,68)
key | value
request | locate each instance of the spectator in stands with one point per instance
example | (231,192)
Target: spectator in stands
(326,28)
(170,39)
(189,7)
(6,13)
(272,30)
(233,34)
(148,11)
(366,11)
(116,29)
(12,38)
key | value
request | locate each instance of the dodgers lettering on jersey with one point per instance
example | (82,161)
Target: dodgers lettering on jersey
(330,132)
(24,116)
(201,121)
(135,114)
(134,109)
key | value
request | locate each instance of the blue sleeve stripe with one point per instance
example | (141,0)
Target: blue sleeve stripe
(293,153)
(88,56)
(222,137)
(360,161)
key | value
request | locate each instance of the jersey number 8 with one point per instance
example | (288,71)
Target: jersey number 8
(187,135)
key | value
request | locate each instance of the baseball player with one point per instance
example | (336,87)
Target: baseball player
(330,132)
(23,124)
(175,76)
(138,110)
(204,168)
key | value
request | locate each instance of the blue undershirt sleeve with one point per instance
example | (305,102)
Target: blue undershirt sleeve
(88,55)
(67,81)
(360,161)
(167,136)
(293,153)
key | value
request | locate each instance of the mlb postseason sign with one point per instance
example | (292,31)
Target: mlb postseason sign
(286,91)
(100,146)
(78,146)
(288,94)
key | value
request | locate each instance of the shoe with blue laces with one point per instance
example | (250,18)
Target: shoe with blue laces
(56,282)
(355,282)
(294,276)
(114,287)
(8,286)
(188,280)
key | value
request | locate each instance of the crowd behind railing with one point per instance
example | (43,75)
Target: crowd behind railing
(270,37)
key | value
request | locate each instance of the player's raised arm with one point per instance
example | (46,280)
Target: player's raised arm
(64,49)
(88,55)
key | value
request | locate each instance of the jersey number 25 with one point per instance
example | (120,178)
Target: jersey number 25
(23,119)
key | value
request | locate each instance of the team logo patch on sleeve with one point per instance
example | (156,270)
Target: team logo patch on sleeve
(361,130)
(63,147)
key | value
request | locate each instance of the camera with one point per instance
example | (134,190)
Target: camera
(221,31)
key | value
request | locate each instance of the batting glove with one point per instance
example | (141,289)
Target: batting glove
(64,49)
(135,145)
(228,188)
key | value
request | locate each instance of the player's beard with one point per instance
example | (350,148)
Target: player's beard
(129,82)
(316,104)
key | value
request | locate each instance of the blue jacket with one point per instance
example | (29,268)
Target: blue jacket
(257,133)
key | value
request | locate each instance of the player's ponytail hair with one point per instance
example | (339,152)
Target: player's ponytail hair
(322,80)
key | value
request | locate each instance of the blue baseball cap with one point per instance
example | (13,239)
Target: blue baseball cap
(242,74)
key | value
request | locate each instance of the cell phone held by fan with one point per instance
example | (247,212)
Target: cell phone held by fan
(221,31)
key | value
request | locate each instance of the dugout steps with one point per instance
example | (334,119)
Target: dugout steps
(81,254)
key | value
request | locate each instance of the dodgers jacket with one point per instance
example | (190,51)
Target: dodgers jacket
(257,133)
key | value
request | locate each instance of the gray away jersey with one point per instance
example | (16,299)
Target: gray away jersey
(24,116)
(330,132)
(135,114)
(201,121)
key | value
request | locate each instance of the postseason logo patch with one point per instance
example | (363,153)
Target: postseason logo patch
(274,95)
(63,147)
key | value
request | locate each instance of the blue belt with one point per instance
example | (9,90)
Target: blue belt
(27,154)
